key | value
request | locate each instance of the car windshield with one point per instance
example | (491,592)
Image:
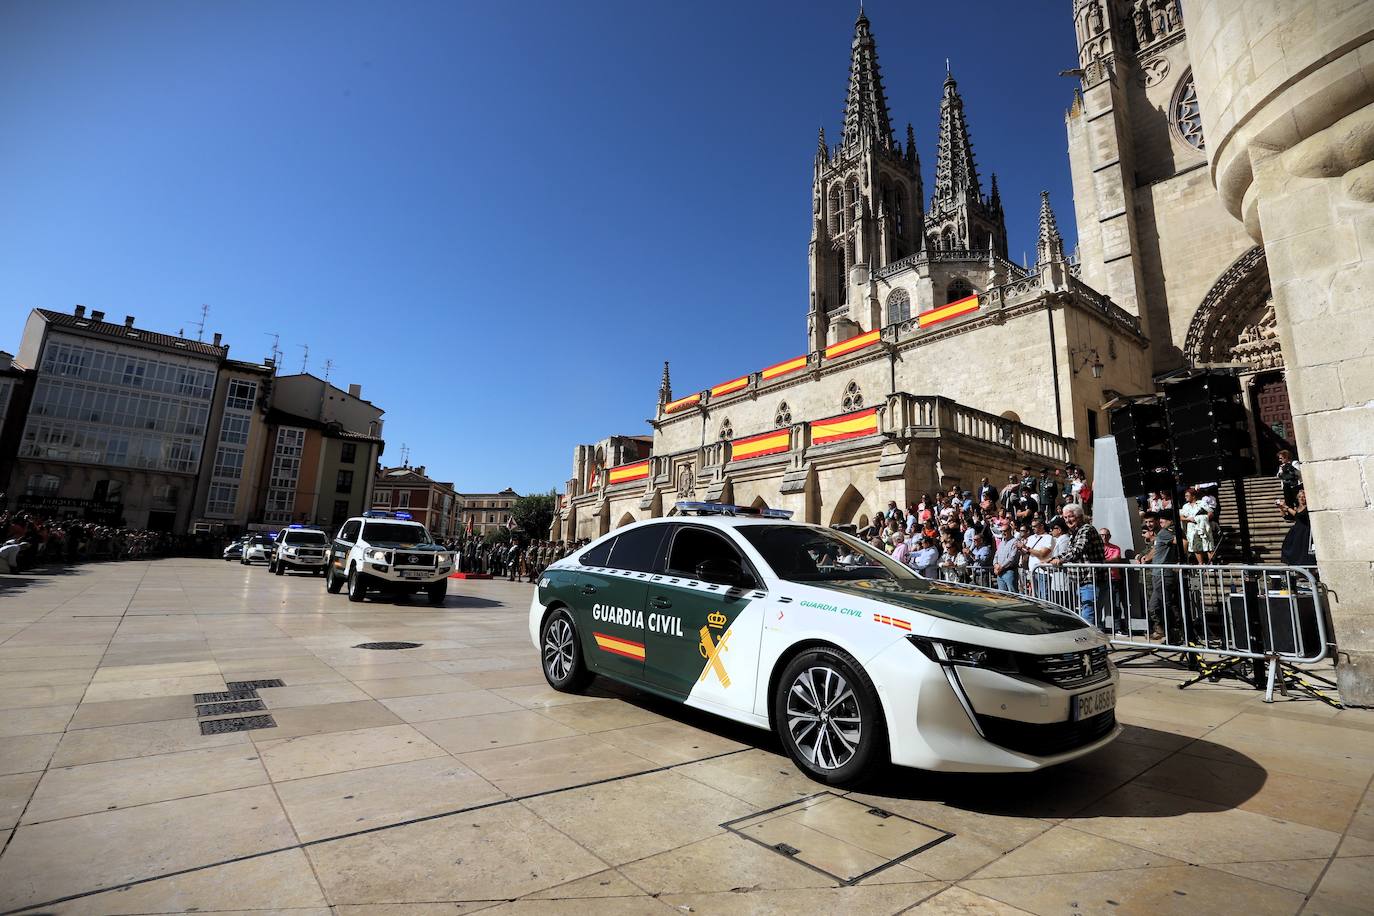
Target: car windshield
(803,553)
(304,537)
(261,539)
(395,533)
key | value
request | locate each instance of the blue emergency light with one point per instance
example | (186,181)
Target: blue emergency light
(688,507)
(403,516)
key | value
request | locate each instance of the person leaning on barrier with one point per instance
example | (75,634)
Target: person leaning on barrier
(1085,546)
(1006,563)
(1163,551)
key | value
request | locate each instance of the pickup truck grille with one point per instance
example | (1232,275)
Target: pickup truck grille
(405,559)
(309,552)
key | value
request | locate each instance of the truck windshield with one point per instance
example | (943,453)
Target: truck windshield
(393,533)
(304,537)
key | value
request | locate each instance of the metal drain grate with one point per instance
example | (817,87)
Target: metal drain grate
(223,709)
(388,645)
(254,685)
(222,726)
(225,696)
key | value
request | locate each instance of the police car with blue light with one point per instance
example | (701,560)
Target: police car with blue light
(298,547)
(387,552)
(849,656)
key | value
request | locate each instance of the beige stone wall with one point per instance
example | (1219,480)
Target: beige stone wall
(1287,97)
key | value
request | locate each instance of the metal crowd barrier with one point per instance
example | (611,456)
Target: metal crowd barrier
(1260,621)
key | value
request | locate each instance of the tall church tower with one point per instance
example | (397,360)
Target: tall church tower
(960,217)
(865,203)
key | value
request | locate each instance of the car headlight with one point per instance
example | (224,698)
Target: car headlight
(946,652)
(377,556)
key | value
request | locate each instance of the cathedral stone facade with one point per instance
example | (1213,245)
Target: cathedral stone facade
(901,288)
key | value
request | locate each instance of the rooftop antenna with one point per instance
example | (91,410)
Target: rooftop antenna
(305,356)
(405,455)
(200,325)
(276,347)
(328,368)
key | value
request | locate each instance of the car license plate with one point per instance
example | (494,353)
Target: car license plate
(1087,705)
(413,574)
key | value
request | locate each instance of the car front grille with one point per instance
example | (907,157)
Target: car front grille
(1046,739)
(309,552)
(1069,669)
(412,560)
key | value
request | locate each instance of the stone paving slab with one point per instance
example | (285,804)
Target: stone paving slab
(451,779)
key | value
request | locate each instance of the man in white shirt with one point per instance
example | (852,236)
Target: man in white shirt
(1039,547)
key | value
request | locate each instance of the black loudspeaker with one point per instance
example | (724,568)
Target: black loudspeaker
(1142,447)
(1208,435)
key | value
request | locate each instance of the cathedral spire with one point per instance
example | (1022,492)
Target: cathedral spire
(1050,247)
(865,107)
(665,388)
(822,150)
(995,196)
(955,174)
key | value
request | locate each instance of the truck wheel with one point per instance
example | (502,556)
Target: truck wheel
(357,588)
(437,591)
(332,583)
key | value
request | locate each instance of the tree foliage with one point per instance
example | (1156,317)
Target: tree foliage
(533,515)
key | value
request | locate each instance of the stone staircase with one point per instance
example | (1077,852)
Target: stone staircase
(1266,523)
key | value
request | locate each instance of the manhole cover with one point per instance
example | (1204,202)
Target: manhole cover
(225,696)
(254,685)
(837,836)
(243,724)
(388,645)
(223,709)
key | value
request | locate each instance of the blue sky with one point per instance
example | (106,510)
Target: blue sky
(500,219)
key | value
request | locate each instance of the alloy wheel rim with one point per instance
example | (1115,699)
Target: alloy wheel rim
(823,717)
(558,649)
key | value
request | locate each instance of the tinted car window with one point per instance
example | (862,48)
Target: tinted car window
(599,554)
(304,537)
(693,546)
(639,549)
(350,531)
(395,533)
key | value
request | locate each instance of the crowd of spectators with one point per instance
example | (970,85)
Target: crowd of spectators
(31,539)
(514,559)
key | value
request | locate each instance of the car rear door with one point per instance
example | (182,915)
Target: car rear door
(613,620)
(700,641)
(343,543)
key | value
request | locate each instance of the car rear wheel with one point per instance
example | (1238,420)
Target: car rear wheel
(357,588)
(332,584)
(828,718)
(437,591)
(562,653)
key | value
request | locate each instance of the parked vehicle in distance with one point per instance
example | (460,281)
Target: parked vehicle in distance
(299,547)
(235,549)
(257,547)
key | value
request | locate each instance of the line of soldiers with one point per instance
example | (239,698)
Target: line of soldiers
(530,560)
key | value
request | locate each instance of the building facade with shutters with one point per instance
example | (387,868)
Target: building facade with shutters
(484,513)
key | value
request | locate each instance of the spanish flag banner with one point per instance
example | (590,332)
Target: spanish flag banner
(784,367)
(681,403)
(946,312)
(617,646)
(627,472)
(730,387)
(848,426)
(852,344)
(779,440)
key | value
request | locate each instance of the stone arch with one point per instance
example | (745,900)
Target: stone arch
(847,507)
(626,519)
(958,288)
(1011,415)
(1234,310)
(758,503)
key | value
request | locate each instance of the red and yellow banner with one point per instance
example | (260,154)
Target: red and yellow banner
(779,440)
(784,367)
(852,344)
(848,426)
(617,646)
(627,472)
(730,387)
(897,622)
(946,312)
(681,403)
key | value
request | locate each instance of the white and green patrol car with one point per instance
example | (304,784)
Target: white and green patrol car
(849,656)
(387,552)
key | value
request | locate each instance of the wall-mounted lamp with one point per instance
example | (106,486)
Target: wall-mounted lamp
(1078,358)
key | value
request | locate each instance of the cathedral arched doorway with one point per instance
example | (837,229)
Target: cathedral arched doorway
(626,519)
(850,502)
(1235,326)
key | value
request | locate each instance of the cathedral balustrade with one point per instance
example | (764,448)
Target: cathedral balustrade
(1086,295)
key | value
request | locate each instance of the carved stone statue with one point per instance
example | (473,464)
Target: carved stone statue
(1159,17)
(1141,14)
(1094,18)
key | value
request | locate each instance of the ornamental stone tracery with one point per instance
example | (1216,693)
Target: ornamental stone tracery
(1185,116)
(1235,322)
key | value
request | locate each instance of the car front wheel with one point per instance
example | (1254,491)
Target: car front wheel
(332,584)
(562,653)
(357,588)
(828,718)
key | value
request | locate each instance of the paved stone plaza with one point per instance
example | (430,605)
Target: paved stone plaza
(449,778)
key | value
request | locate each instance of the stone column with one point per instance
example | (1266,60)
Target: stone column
(1286,91)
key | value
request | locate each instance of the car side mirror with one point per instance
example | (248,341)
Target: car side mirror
(724,571)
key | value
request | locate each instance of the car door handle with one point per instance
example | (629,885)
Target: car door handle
(589,589)
(660,602)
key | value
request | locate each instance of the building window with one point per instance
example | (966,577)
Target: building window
(221,499)
(382,497)
(234,430)
(727,431)
(241,395)
(402,499)
(1092,428)
(783,417)
(853,397)
(898,306)
(340,513)
(348,453)
(344,482)
(43,485)
(1187,115)
(108,491)
(958,288)
(228,463)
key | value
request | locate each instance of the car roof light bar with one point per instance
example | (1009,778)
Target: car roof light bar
(690,507)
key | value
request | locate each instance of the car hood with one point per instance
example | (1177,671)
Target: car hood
(976,607)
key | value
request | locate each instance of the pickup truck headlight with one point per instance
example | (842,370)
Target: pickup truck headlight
(377,556)
(946,652)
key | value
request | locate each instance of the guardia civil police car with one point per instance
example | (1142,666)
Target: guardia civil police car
(849,656)
(387,552)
